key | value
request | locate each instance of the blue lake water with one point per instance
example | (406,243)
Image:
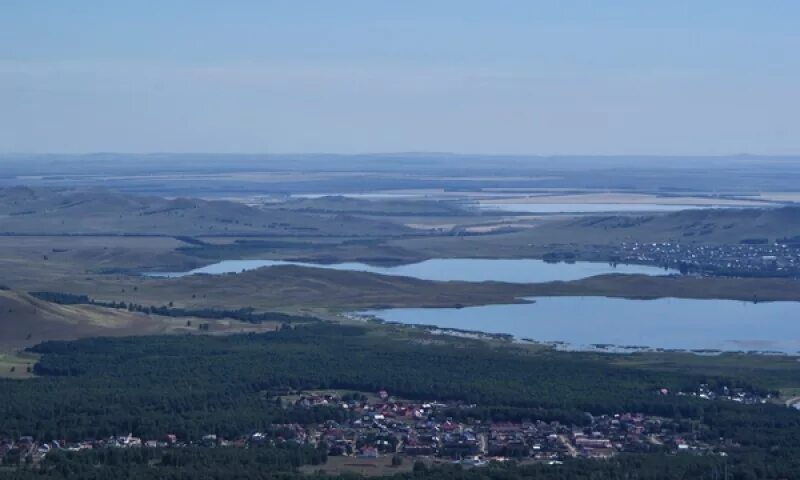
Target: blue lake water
(445,269)
(664,323)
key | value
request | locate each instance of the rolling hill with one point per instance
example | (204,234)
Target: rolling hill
(701,226)
(51,211)
(26,321)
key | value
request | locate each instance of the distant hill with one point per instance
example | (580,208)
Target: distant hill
(701,226)
(25,210)
(383,206)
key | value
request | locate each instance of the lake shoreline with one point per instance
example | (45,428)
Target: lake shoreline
(614,325)
(518,271)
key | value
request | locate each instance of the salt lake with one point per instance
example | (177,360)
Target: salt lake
(588,207)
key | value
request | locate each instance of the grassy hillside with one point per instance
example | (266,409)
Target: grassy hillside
(590,236)
(28,211)
(701,226)
(649,287)
(292,288)
(26,321)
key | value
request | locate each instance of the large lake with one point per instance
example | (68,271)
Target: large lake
(472,270)
(665,323)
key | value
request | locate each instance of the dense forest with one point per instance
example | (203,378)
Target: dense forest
(280,463)
(196,385)
(191,386)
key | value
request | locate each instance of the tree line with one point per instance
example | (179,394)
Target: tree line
(248,314)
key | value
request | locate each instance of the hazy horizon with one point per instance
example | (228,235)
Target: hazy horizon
(517,77)
(410,153)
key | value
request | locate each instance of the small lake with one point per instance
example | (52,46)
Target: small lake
(664,323)
(446,269)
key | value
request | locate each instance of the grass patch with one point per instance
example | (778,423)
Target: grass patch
(17,364)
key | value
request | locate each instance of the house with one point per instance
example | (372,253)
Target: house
(590,443)
(460,445)
(415,449)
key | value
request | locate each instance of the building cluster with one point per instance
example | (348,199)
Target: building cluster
(383,426)
(26,449)
(739,395)
(745,259)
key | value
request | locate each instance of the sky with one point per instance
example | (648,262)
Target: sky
(602,77)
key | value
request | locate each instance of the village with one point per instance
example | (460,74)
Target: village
(379,425)
(757,257)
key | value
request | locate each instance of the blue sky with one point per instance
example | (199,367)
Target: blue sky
(502,76)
